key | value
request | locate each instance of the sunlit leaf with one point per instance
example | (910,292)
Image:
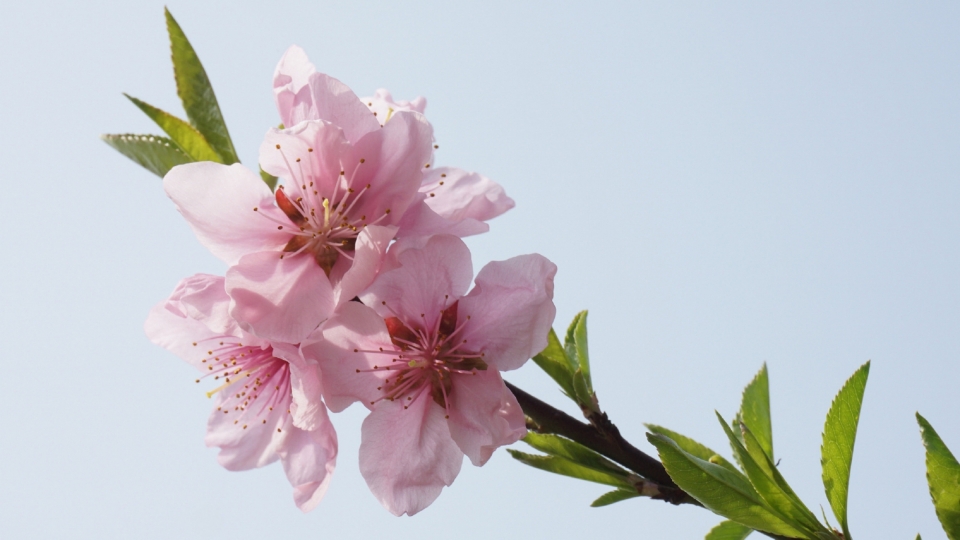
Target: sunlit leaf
(723,491)
(183,134)
(839,435)
(943,476)
(728,530)
(152,152)
(575,345)
(566,467)
(196,93)
(614,496)
(553,360)
(692,447)
(755,410)
(573,451)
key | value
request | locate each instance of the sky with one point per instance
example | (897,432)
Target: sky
(720,184)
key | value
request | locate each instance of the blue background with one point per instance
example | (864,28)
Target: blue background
(721,184)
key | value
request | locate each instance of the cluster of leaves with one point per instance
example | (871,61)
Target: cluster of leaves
(749,491)
(203,138)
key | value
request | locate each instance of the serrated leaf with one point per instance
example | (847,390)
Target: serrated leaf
(269,179)
(566,467)
(778,496)
(553,360)
(152,152)
(196,93)
(726,493)
(575,344)
(614,496)
(555,445)
(943,477)
(839,435)
(183,134)
(728,530)
(692,447)
(755,410)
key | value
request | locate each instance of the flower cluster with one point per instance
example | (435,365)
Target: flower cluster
(350,283)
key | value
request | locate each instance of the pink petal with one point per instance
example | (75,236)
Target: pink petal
(202,297)
(307,409)
(245,441)
(309,458)
(305,153)
(368,255)
(334,102)
(427,281)
(279,299)
(218,201)
(353,326)
(178,333)
(460,205)
(384,105)
(393,158)
(293,97)
(407,455)
(484,415)
(511,310)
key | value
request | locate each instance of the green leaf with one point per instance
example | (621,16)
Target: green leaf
(728,530)
(724,492)
(553,360)
(186,136)
(573,451)
(943,476)
(839,435)
(692,447)
(575,345)
(774,491)
(196,93)
(614,496)
(566,467)
(152,152)
(755,410)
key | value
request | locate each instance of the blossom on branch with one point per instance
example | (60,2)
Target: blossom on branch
(426,357)
(266,408)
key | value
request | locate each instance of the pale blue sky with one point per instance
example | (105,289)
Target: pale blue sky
(720,184)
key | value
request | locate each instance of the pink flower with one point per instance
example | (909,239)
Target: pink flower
(297,253)
(426,359)
(451,201)
(266,408)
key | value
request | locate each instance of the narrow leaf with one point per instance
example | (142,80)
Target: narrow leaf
(196,93)
(755,410)
(186,136)
(720,490)
(943,476)
(573,451)
(553,360)
(839,435)
(152,152)
(692,447)
(778,500)
(614,496)
(576,346)
(728,530)
(566,467)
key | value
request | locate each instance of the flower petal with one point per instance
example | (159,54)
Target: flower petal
(368,255)
(309,458)
(307,409)
(461,202)
(245,440)
(426,282)
(334,102)
(304,154)
(484,415)
(178,333)
(407,455)
(293,97)
(279,299)
(201,297)
(353,326)
(218,202)
(511,310)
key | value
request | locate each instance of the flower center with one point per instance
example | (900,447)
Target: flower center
(426,359)
(254,381)
(324,222)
